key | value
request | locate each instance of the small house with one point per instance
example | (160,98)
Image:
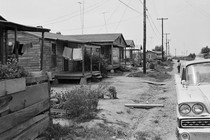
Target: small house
(152,55)
(112,46)
(129,49)
(9,46)
(63,56)
(24,100)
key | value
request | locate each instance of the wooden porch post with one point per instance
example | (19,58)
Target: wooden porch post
(112,54)
(91,60)
(42,51)
(6,48)
(16,49)
(125,55)
(120,56)
(100,59)
(1,47)
(83,61)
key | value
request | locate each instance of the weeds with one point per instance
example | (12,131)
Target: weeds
(100,132)
(145,135)
(82,101)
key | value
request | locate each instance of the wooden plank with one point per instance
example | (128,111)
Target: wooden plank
(32,94)
(34,131)
(4,102)
(30,80)
(10,86)
(144,105)
(14,119)
(2,88)
(10,134)
(154,83)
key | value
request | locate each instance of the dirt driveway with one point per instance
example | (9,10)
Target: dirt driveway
(135,123)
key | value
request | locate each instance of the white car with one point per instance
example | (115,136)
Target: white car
(193,100)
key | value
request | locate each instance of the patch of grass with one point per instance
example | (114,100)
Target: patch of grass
(159,72)
(145,135)
(55,131)
(100,132)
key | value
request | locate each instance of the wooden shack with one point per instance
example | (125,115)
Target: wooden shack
(112,46)
(129,50)
(24,102)
(54,61)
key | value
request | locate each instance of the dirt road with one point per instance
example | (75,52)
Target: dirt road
(156,124)
(134,123)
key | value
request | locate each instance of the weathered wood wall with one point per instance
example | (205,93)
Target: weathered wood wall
(24,115)
(30,59)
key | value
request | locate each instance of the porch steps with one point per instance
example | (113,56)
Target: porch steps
(96,77)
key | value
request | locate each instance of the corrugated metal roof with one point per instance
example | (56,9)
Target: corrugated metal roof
(96,37)
(54,36)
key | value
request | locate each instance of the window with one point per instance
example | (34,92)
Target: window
(53,56)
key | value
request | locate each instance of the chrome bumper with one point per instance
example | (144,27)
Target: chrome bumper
(194,133)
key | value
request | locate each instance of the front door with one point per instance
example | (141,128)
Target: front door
(66,64)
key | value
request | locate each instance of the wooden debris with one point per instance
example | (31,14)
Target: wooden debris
(146,106)
(154,83)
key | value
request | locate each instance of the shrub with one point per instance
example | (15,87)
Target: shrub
(113,92)
(152,66)
(12,70)
(96,60)
(81,102)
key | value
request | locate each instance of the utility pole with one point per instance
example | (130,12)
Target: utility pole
(167,44)
(169,47)
(105,21)
(81,19)
(83,16)
(162,36)
(144,38)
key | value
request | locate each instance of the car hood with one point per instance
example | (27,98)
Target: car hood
(199,93)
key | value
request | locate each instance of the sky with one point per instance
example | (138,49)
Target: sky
(188,22)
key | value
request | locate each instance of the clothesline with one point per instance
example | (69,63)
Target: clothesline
(72,53)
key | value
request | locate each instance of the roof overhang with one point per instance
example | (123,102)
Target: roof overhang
(19,27)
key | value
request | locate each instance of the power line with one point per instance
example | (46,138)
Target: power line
(122,16)
(152,27)
(202,11)
(141,2)
(153,22)
(72,13)
(111,23)
(130,7)
(93,7)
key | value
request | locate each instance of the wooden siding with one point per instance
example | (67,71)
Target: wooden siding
(26,114)
(30,59)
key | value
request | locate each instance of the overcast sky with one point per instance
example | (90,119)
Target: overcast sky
(188,20)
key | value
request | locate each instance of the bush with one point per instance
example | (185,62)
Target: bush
(113,92)
(152,66)
(96,60)
(12,70)
(81,102)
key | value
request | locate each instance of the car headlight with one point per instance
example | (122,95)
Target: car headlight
(197,109)
(184,109)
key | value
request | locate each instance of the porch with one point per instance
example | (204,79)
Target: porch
(78,76)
